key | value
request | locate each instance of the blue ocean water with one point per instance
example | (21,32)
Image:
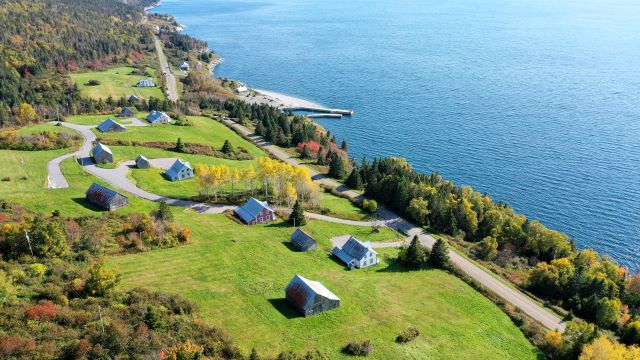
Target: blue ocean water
(535,102)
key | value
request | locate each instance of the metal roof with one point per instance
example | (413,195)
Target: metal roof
(174,170)
(302,240)
(101,148)
(156,115)
(126,111)
(304,291)
(353,249)
(107,124)
(102,194)
(251,209)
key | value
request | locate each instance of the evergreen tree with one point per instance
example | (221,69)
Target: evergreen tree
(439,255)
(354,180)
(180,146)
(296,217)
(344,146)
(227,148)
(306,154)
(322,157)
(254,355)
(336,166)
(415,256)
(164,212)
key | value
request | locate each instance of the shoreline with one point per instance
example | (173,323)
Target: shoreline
(261,96)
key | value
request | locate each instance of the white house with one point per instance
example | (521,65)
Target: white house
(180,170)
(184,66)
(148,82)
(158,117)
(356,254)
(240,89)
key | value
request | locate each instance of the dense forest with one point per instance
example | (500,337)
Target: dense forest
(43,40)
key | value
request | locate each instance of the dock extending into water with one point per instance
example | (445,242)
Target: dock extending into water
(325,116)
(317,110)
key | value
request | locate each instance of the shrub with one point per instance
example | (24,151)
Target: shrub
(6,178)
(37,270)
(45,311)
(93,83)
(409,334)
(370,206)
(356,348)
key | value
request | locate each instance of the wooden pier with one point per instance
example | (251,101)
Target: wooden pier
(325,116)
(317,110)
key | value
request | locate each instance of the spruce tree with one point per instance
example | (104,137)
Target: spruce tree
(227,148)
(322,157)
(439,255)
(344,146)
(164,212)
(336,166)
(180,146)
(415,256)
(306,154)
(296,218)
(354,180)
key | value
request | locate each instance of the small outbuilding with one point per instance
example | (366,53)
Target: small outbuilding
(184,66)
(302,241)
(142,162)
(148,82)
(242,89)
(102,154)
(133,99)
(255,212)
(356,254)
(180,170)
(111,125)
(310,297)
(106,198)
(126,112)
(158,117)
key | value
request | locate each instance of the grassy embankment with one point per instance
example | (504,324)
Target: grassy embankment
(237,274)
(117,82)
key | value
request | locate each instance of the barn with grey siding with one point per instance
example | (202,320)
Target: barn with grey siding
(105,197)
(142,162)
(302,241)
(126,112)
(111,125)
(310,297)
(102,154)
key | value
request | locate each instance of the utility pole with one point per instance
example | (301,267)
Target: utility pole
(28,242)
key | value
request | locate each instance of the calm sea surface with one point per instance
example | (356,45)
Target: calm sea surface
(534,102)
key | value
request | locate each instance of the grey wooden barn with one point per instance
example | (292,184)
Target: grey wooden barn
(102,154)
(111,125)
(126,112)
(310,297)
(302,241)
(106,198)
(142,162)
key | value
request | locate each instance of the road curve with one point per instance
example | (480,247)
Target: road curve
(392,220)
(172,92)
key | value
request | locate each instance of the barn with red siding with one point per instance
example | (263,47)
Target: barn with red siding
(106,198)
(310,297)
(255,212)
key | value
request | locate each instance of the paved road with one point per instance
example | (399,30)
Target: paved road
(507,293)
(172,93)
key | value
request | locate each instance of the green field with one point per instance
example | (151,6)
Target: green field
(340,207)
(236,274)
(116,82)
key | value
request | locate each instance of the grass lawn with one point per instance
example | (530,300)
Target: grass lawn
(38,128)
(31,192)
(236,274)
(340,207)
(116,82)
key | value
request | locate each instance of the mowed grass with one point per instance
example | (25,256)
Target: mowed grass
(116,82)
(236,274)
(28,173)
(340,207)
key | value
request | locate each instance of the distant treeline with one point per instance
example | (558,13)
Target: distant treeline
(41,41)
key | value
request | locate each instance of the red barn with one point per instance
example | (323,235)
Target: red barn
(255,212)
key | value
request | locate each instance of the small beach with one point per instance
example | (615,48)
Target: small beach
(259,96)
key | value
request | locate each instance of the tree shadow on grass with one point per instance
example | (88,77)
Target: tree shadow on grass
(86,204)
(393,266)
(280,224)
(284,308)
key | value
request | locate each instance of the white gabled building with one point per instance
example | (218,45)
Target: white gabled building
(148,82)
(356,254)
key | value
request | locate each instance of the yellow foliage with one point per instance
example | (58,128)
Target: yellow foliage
(604,348)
